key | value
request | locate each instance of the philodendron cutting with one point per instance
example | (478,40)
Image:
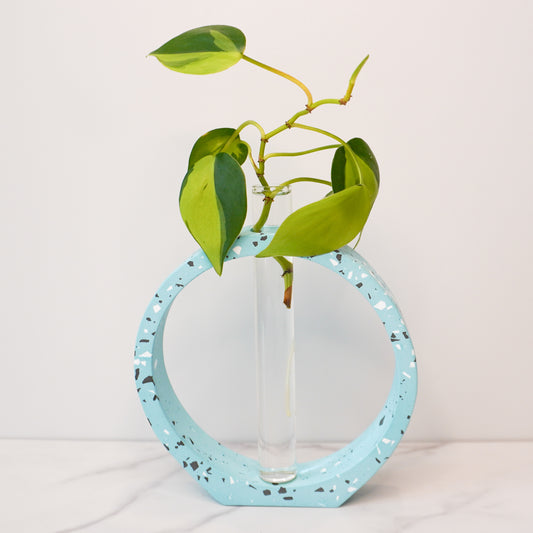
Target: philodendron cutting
(213,193)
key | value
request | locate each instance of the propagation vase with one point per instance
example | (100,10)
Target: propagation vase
(234,479)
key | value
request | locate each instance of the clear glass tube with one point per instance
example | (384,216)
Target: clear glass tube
(274,335)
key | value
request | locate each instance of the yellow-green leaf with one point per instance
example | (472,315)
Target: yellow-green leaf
(215,141)
(322,226)
(204,50)
(213,204)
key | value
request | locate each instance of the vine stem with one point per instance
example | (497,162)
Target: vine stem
(344,100)
(338,139)
(280,187)
(283,75)
(304,152)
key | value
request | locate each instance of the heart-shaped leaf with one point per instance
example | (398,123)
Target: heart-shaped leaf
(322,226)
(204,50)
(214,142)
(360,167)
(213,204)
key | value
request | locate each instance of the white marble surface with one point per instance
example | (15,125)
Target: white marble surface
(93,487)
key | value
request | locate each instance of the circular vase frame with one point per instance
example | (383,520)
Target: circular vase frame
(233,479)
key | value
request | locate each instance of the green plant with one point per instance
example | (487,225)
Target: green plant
(213,193)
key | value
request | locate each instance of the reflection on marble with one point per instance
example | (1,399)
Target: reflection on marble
(137,487)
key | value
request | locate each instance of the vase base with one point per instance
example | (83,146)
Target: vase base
(278,476)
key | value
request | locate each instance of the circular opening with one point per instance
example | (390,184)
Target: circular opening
(344,359)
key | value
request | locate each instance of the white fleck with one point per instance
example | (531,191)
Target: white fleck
(146,331)
(380,305)
(351,489)
(237,249)
(355,480)
(333,262)
(136,362)
(413,352)
(350,274)
(337,463)
(363,275)
(385,441)
(412,364)
(323,470)
(200,267)
(338,498)
(146,354)
(231,481)
(406,375)
(166,431)
(379,451)
(334,487)
(143,363)
(155,363)
(157,308)
(169,288)
(398,346)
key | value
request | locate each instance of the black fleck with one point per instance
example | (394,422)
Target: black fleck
(282,490)
(266,492)
(320,489)
(190,263)
(359,285)
(148,379)
(137,371)
(381,421)
(194,465)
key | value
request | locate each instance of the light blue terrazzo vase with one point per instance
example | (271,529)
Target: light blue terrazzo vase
(234,479)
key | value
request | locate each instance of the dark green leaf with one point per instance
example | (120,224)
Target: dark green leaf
(204,50)
(322,226)
(214,142)
(359,168)
(213,204)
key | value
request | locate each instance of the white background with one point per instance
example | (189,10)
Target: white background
(94,143)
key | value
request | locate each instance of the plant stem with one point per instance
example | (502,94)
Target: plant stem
(243,125)
(283,75)
(304,152)
(280,187)
(267,204)
(287,275)
(351,83)
(347,147)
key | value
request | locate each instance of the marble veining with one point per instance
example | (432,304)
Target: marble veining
(136,487)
